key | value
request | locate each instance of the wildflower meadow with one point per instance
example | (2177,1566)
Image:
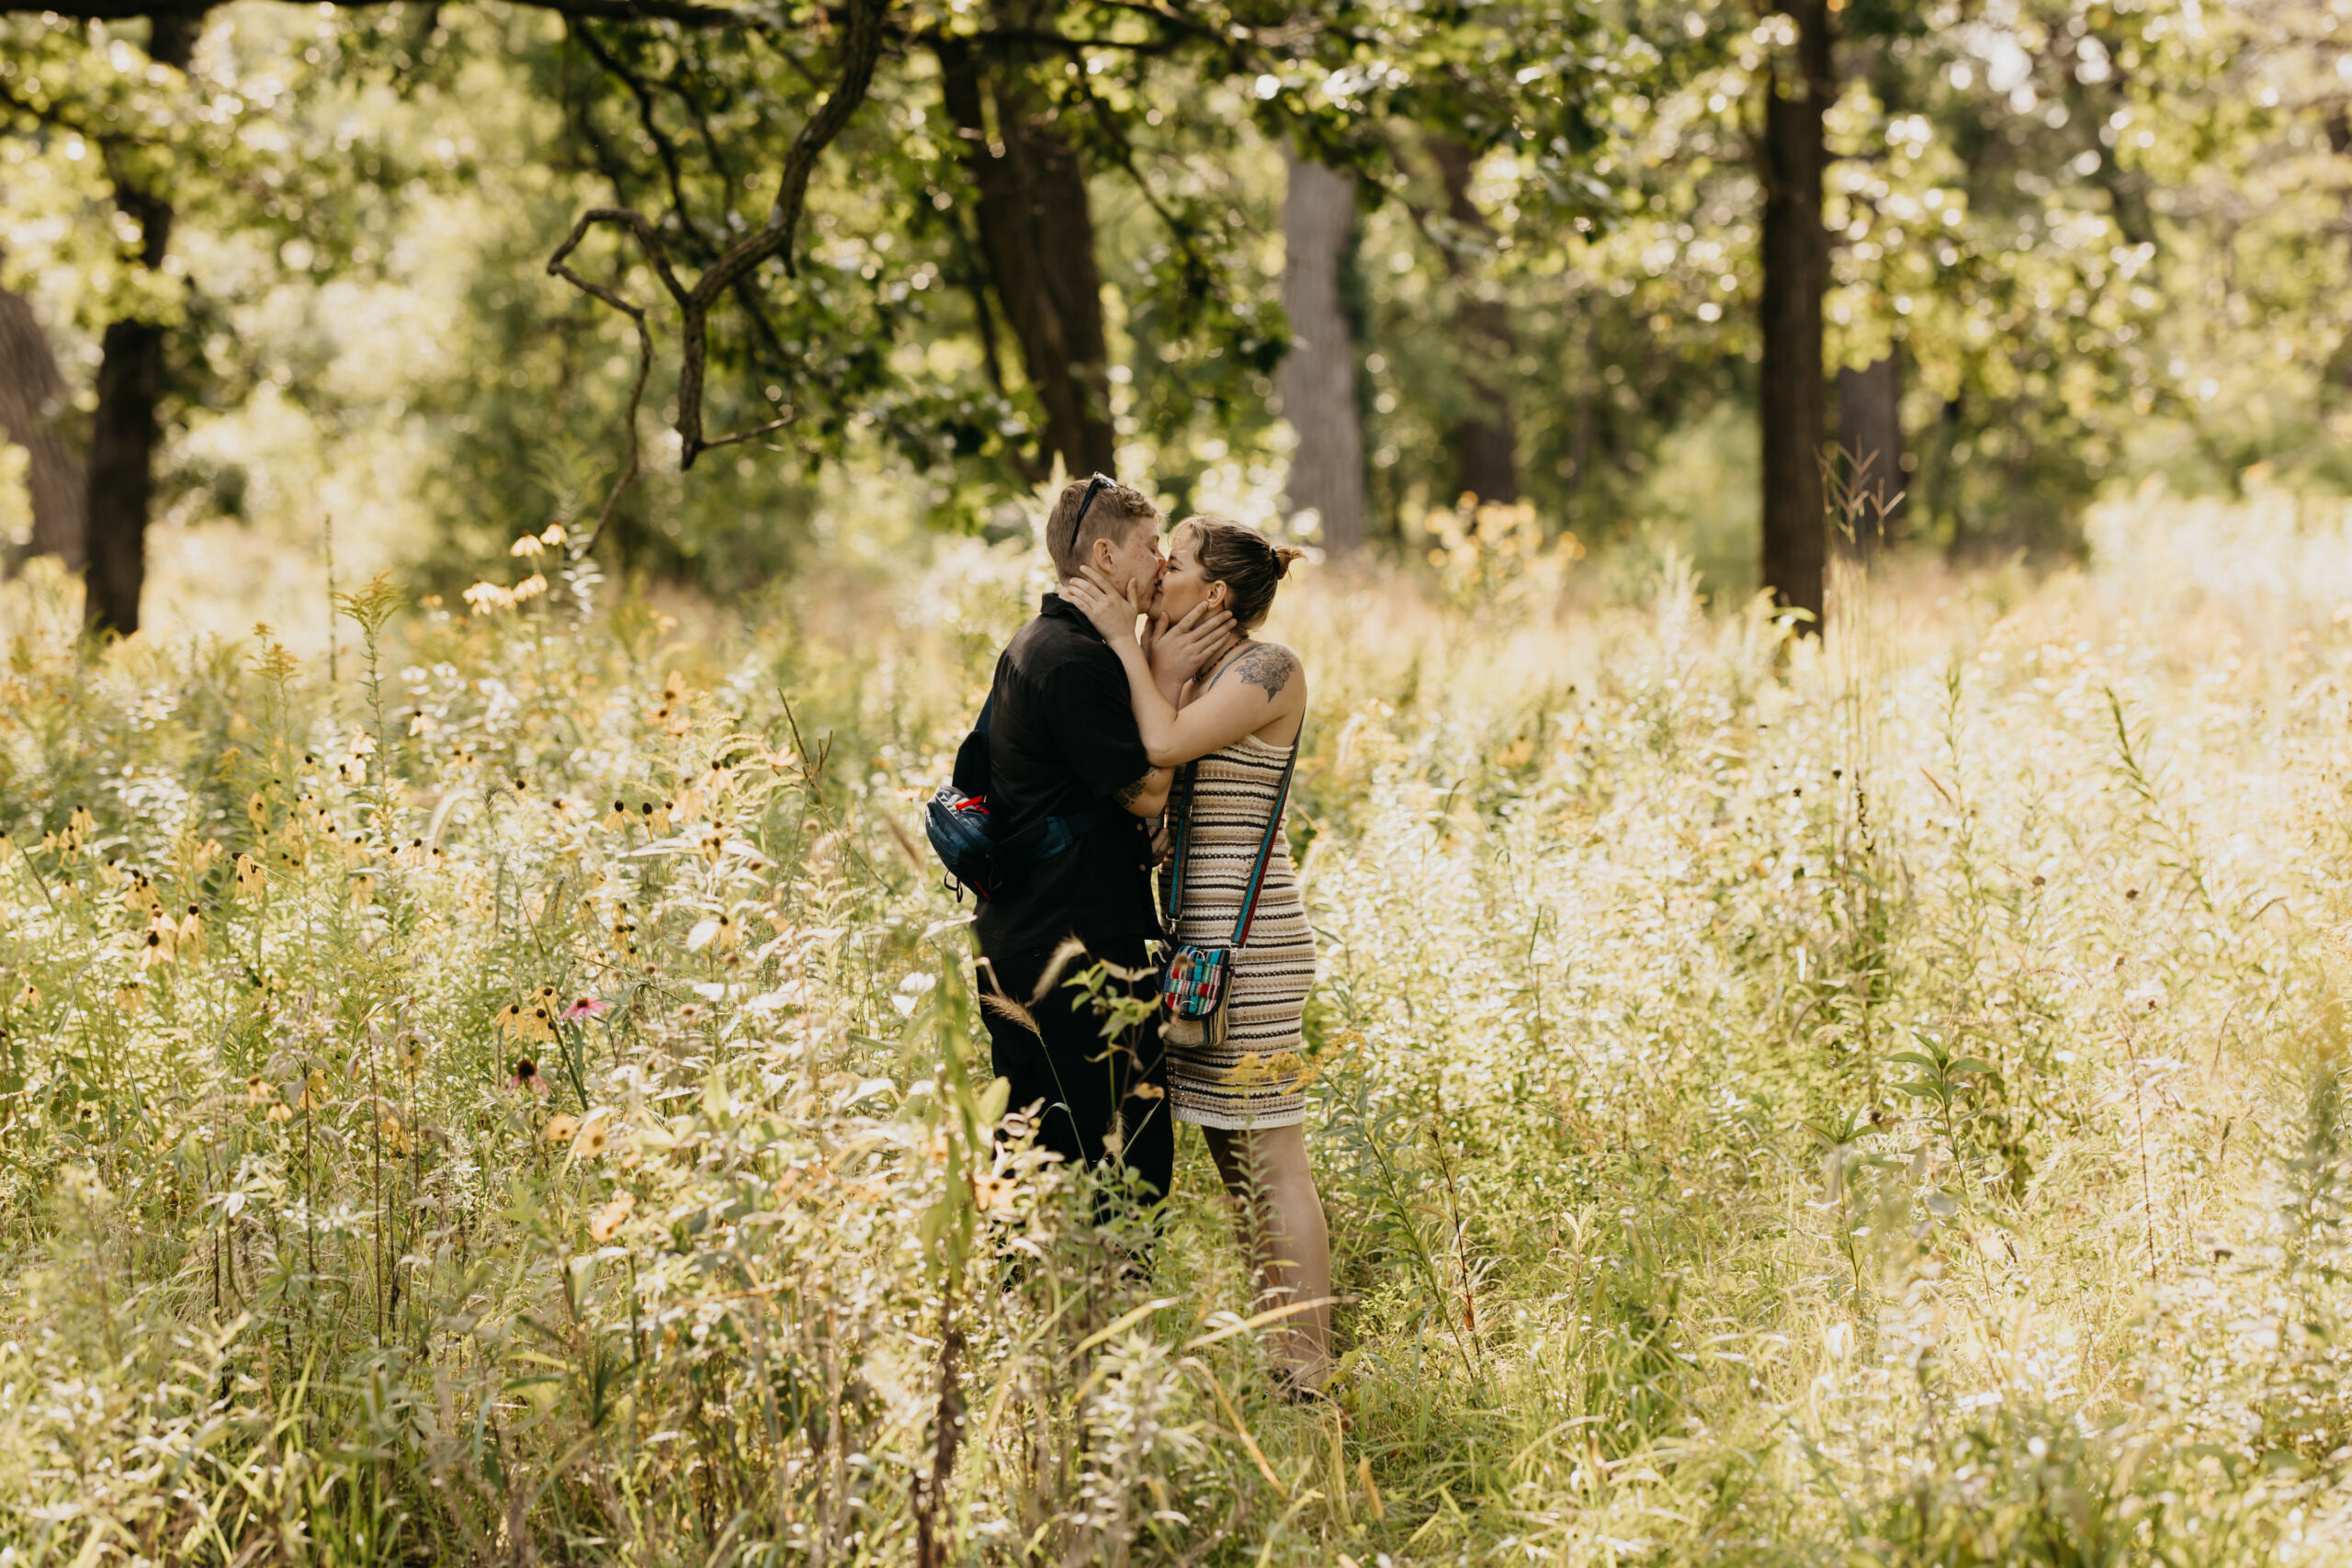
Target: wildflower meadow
(506,1088)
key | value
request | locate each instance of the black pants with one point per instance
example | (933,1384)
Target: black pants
(1089,1083)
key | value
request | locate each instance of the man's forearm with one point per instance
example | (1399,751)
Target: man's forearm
(1147,796)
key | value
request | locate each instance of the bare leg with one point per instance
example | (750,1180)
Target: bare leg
(1267,1172)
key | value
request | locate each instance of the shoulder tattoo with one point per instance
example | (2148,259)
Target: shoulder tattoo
(1267,666)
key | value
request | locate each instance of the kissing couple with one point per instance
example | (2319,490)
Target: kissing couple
(1118,751)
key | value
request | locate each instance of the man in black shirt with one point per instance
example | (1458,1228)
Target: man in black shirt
(1062,742)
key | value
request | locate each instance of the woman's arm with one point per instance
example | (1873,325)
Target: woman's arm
(1260,686)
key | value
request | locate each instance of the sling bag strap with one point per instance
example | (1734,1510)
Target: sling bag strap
(1265,846)
(1042,839)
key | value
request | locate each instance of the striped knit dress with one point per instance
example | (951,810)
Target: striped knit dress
(1253,1080)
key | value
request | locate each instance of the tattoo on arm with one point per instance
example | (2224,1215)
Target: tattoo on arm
(1127,794)
(1267,666)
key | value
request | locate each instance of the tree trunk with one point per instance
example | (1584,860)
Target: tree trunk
(124,431)
(1869,437)
(123,473)
(1036,233)
(33,406)
(1796,270)
(1485,438)
(1317,379)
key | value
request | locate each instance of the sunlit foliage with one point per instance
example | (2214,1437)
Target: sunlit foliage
(514,1088)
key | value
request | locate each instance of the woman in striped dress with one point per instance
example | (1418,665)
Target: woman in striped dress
(1237,722)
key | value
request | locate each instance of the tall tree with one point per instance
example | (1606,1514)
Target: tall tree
(1036,234)
(1484,436)
(33,404)
(1793,155)
(1317,379)
(124,428)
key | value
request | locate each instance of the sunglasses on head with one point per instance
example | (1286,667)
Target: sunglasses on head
(1095,487)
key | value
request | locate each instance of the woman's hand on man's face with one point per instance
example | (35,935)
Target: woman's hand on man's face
(1180,651)
(1112,613)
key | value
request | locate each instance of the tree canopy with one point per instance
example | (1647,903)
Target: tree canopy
(961,243)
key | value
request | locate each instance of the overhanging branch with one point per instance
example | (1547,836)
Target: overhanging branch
(862,47)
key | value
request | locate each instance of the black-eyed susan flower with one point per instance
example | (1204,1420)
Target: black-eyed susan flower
(722,932)
(527,1022)
(607,1220)
(561,1128)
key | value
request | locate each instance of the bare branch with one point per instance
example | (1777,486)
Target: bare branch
(559,265)
(862,48)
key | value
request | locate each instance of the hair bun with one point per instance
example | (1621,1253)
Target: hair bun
(1284,555)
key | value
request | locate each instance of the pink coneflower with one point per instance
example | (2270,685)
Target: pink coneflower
(527,1075)
(586,1006)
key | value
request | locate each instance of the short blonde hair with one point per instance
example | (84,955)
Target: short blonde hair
(1117,510)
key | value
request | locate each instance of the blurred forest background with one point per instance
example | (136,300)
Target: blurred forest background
(278,291)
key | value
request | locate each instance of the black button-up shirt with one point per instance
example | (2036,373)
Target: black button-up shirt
(1062,741)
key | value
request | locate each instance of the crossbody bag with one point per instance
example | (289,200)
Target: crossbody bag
(966,835)
(1197,984)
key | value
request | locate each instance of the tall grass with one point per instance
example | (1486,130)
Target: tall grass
(1875,1099)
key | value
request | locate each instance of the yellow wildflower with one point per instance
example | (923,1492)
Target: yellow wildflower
(611,1217)
(525,1021)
